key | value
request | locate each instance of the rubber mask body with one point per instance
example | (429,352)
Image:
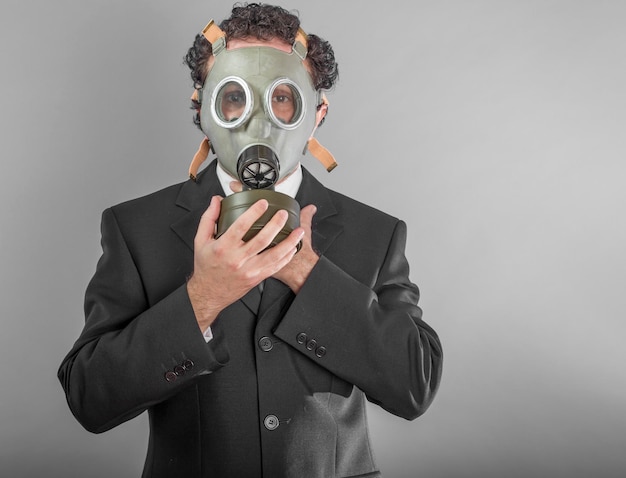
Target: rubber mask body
(255,77)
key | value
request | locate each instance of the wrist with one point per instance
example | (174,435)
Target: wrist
(205,311)
(295,277)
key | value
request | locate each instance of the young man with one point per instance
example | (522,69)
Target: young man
(253,356)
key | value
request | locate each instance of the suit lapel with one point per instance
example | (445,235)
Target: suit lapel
(326,226)
(273,297)
(195,197)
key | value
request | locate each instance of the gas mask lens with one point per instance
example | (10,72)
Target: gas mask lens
(284,103)
(232,102)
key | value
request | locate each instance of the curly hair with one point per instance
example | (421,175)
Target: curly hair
(263,22)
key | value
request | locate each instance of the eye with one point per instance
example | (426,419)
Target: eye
(286,103)
(236,97)
(232,102)
(282,94)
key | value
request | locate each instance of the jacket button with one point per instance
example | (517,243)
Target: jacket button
(320,351)
(265,343)
(271,422)
(170,376)
(179,370)
(188,364)
(301,338)
(311,344)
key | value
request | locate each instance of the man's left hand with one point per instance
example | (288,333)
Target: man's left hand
(296,272)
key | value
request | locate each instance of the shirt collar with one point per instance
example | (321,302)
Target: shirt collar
(288,186)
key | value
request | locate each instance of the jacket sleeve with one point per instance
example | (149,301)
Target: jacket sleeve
(131,354)
(371,336)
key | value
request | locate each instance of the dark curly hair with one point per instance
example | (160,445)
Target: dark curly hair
(263,22)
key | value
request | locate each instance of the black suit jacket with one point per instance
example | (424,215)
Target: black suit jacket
(280,389)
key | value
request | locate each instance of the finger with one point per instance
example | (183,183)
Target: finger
(290,242)
(269,262)
(268,232)
(244,222)
(236,186)
(295,237)
(206,227)
(272,260)
(306,217)
(281,262)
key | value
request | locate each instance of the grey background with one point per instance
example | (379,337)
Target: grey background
(494,128)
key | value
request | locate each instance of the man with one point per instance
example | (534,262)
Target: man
(253,357)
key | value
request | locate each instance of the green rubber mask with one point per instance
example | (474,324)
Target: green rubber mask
(258,110)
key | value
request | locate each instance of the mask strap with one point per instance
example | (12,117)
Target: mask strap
(199,158)
(322,154)
(217,38)
(300,45)
(301,37)
(318,151)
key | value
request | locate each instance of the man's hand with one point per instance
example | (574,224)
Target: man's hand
(225,269)
(296,271)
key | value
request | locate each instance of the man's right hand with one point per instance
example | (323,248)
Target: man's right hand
(225,269)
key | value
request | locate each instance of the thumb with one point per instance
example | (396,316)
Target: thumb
(236,186)
(306,217)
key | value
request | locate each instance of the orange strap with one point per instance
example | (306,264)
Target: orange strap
(322,154)
(301,37)
(199,158)
(212,32)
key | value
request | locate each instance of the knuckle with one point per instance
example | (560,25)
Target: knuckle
(250,277)
(232,266)
(219,251)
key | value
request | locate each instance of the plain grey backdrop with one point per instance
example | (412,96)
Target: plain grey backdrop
(495,129)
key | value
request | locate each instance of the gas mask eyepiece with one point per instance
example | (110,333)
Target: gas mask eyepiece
(284,103)
(231,102)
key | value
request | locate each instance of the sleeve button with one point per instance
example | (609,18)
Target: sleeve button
(188,364)
(170,376)
(320,351)
(311,344)
(301,338)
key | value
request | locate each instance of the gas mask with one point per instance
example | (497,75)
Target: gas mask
(259,110)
